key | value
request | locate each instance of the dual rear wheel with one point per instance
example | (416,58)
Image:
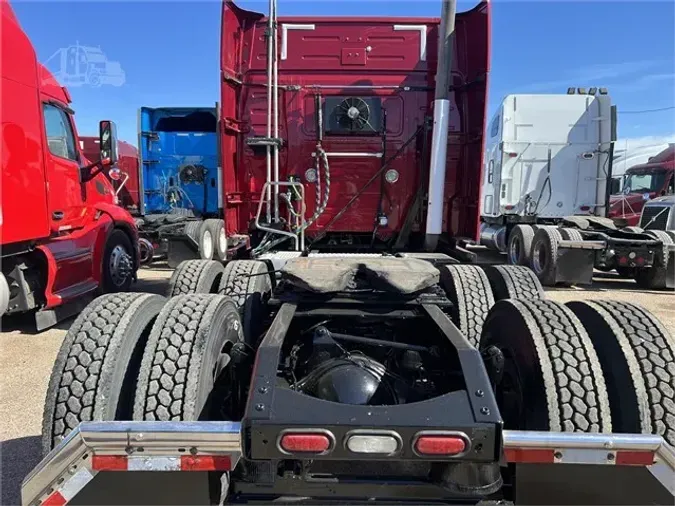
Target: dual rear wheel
(581,367)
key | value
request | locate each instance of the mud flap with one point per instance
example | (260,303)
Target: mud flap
(148,488)
(583,484)
(670,271)
(575,261)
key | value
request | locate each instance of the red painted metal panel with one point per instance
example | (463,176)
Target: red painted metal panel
(128,163)
(315,54)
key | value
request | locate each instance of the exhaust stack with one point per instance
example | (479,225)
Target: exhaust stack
(439,141)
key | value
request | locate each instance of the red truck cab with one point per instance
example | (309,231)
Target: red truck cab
(63,237)
(644,182)
(128,183)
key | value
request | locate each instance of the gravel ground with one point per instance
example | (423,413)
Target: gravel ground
(26,360)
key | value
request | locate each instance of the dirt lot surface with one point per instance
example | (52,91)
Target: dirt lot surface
(26,360)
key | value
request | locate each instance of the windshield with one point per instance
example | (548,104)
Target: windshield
(644,183)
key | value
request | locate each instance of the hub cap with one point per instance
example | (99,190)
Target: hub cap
(207,244)
(539,258)
(119,266)
(222,241)
(514,251)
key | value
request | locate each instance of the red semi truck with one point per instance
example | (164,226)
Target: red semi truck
(63,237)
(298,374)
(643,182)
(126,184)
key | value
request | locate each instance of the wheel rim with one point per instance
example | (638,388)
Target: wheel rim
(146,250)
(514,250)
(222,241)
(509,394)
(119,266)
(207,244)
(539,258)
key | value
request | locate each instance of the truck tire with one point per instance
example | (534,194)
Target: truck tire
(207,241)
(195,276)
(217,228)
(192,230)
(186,351)
(520,244)
(655,277)
(570,234)
(97,366)
(248,284)
(552,379)
(544,254)
(514,282)
(468,288)
(637,358)
(118,263)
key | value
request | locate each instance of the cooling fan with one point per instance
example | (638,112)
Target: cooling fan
(353,113)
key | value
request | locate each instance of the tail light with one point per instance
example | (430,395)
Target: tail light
(640,261)
(306,442)
(585,208)
(440,444)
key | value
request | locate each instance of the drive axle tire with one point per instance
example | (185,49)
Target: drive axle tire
(637,356)
(544,254)
(195,276)
(248,284)
(95,371)
(552,379)
(655,277)
(217,229)
(207,241)
(468,288)
(514,282)
(186,353)
(570,234)
(192,230)
(520,244)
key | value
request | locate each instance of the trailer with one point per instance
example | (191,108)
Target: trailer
(63,238)
(546,188)
(312,375)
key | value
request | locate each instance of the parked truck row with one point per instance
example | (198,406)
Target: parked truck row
(343,353)
(546,198)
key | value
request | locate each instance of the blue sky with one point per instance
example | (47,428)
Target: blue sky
(169,51)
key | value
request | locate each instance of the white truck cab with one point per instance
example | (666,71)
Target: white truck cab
(547,157)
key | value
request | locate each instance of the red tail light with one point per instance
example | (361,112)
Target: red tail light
(440,445)
(640,261)
(305,442)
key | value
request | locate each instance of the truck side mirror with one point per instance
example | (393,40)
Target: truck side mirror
(107,135)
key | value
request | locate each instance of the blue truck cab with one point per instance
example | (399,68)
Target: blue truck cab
(179,161)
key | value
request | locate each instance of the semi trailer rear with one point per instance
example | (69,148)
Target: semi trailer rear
(546,193)
(63,237)
(299,373)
